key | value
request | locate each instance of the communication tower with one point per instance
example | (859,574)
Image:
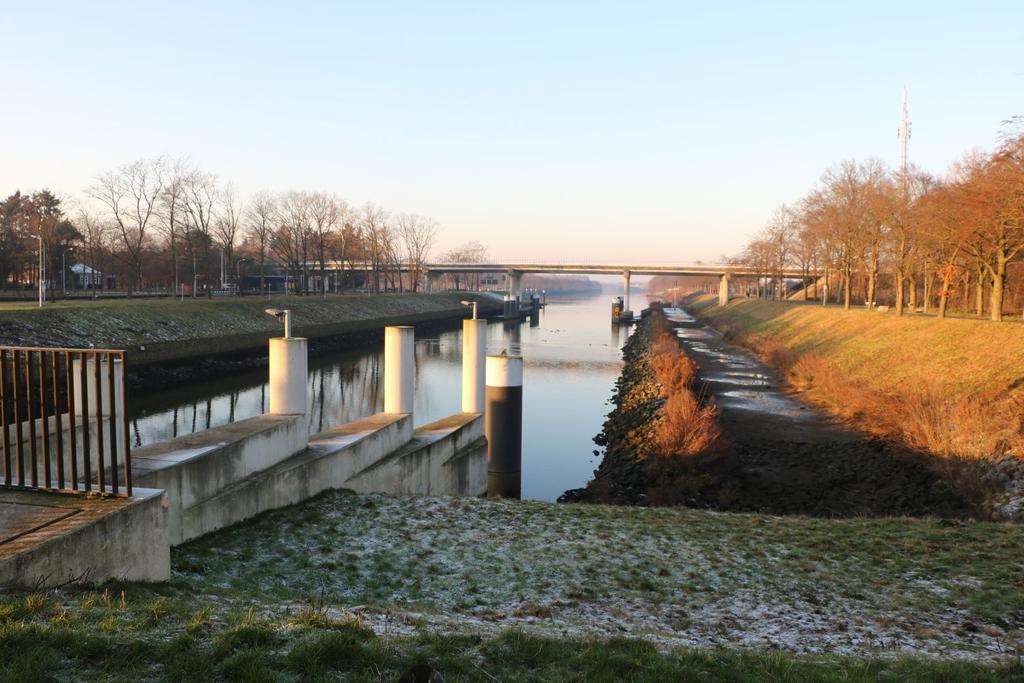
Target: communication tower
(903,134)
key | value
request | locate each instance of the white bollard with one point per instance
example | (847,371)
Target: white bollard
(399,369)
(474,363)
(503,425)
(288,375)
(88,411)
(625,291)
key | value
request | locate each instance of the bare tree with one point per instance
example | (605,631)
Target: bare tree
(97,235)
(292,238)
(418,234)
(131,194)
(373,221)
(261,219)
(200,193)
(226,226)
(470,252)
(324,213)
(172,200)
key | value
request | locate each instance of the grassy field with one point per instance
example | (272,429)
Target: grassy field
(154,329)
(490,590)
(951,387)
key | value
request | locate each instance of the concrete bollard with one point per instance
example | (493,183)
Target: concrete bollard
(503,425)
(625,291)
(474,364)
(288,375)
(399,369)
(88,411)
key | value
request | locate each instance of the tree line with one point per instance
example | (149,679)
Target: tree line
(165,224)
(866,233)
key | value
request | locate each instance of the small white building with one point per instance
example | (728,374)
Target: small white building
(85,277)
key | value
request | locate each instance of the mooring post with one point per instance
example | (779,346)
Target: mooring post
(399,368)
(625,291)
(503,425)
(89,410)
(288,361)
(474,357)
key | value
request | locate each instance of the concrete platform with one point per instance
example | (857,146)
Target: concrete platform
(49,539)
(446,457)
(196,468)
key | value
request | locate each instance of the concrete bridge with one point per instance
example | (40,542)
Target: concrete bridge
(725,272)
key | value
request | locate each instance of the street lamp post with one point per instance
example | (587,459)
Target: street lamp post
(41,271)
(238,273)
(64,270)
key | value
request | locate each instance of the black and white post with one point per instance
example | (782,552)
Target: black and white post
(504,425)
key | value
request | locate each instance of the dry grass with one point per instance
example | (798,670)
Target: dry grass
(686,424)
(951,388)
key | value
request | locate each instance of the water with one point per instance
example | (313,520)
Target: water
(572,359)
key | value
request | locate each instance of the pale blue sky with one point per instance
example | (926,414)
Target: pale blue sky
(590,130)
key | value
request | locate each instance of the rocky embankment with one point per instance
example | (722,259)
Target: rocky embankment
(777,455)
(171,341)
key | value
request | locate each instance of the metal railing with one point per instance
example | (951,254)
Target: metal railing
(64,420)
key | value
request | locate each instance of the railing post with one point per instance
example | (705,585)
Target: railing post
(474,357)
(399,369)
(503,425)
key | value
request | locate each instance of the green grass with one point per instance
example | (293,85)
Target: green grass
(135,648)
(359,585)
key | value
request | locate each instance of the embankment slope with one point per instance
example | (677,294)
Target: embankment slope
(949,388)
(882,350)
(171,331)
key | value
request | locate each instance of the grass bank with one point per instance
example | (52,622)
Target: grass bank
(365,586)
(950,387)
(167,330)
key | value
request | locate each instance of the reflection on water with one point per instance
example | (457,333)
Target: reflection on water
(572,359)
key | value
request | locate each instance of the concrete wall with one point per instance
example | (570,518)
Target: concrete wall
(229,474)
(197,467)
(328,463)
(105,539)
(223,476)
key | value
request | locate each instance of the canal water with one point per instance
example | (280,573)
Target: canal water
(572,359)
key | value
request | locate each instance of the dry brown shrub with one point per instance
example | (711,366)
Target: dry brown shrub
(686,424)
(686,427)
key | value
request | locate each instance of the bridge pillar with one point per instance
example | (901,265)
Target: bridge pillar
(723,290)
(399,369)
(433,281)
(515,281)
(625,292)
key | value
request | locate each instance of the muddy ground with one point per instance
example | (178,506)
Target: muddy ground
(780,455)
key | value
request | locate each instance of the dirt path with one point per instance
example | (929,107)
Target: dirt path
(786,457)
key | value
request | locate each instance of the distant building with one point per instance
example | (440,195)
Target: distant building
(84,277)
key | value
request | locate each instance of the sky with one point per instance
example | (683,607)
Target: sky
(568,131)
